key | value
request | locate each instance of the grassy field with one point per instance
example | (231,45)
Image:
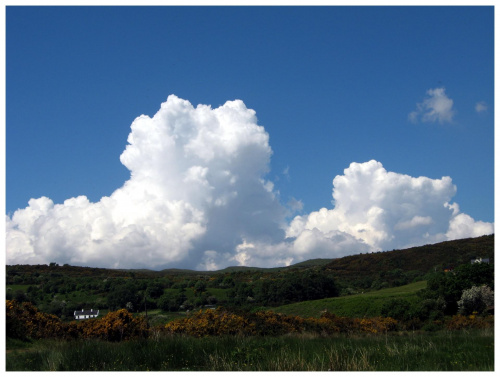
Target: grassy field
(17,287)
(361,305)
(220,293)
(440,351)
(157,317)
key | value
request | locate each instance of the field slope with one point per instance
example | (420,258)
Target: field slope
(356,306)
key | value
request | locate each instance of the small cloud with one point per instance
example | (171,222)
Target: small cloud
(436,107)
(414,222)
(295,205)
(481,107)
(413,117)
(286,173)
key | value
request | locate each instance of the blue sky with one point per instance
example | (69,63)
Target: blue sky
(330,85)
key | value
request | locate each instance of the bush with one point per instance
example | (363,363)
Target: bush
(210,322)
(460,322)
(114,326)
(432,309)
(25,321)
(267,323)
(396,308)
(431,327)
(450,286)
(476,299)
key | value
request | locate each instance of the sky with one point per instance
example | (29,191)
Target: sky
(205,137)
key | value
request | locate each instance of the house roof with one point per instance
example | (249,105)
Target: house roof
(87,312)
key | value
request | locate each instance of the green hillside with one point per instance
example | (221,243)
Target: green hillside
(422,259)
(356,306)
(360,280)
(417,260)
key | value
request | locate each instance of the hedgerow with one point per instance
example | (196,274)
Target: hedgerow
(473,321)
(25,321)
(221,322)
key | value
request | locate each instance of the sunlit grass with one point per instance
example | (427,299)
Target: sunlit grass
(367,304)
(17,287)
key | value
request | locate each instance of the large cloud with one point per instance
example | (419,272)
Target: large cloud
(197,197)
(387,210)
(196,185)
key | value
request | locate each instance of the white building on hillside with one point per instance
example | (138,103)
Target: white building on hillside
(86,314)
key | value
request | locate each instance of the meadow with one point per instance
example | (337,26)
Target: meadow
(361,305)
(465,350)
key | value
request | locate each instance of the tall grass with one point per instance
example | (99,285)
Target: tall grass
(440,351)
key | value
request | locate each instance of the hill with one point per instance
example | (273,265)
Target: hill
(60,290)
(421,259)
(361,305)
(417,260)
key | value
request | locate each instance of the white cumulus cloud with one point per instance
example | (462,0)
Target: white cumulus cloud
(386,210)
(436,107)
(198,198)
(196,188)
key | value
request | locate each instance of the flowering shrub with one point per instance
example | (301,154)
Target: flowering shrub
(459,322)
(114,326)
(329,323)
(25,321)
(270,323)
(211,322)
(221,322)
(477,298)
(377,325)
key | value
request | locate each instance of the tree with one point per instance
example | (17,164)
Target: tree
(200,287)
(431,308)
(450,285)
(122,294)
(396,308)
(171,302)
(154,290)
(227,282)
(240,292)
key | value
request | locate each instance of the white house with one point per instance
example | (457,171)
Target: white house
(86,314)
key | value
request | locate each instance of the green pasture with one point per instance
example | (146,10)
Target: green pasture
(357,306)
(18,287)
(220,293)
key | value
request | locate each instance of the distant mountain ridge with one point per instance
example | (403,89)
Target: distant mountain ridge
(448,254)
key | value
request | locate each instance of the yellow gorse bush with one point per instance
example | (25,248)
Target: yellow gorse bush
(114,326)
(25,321)
(459,322)
(221,322)
(210,322)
